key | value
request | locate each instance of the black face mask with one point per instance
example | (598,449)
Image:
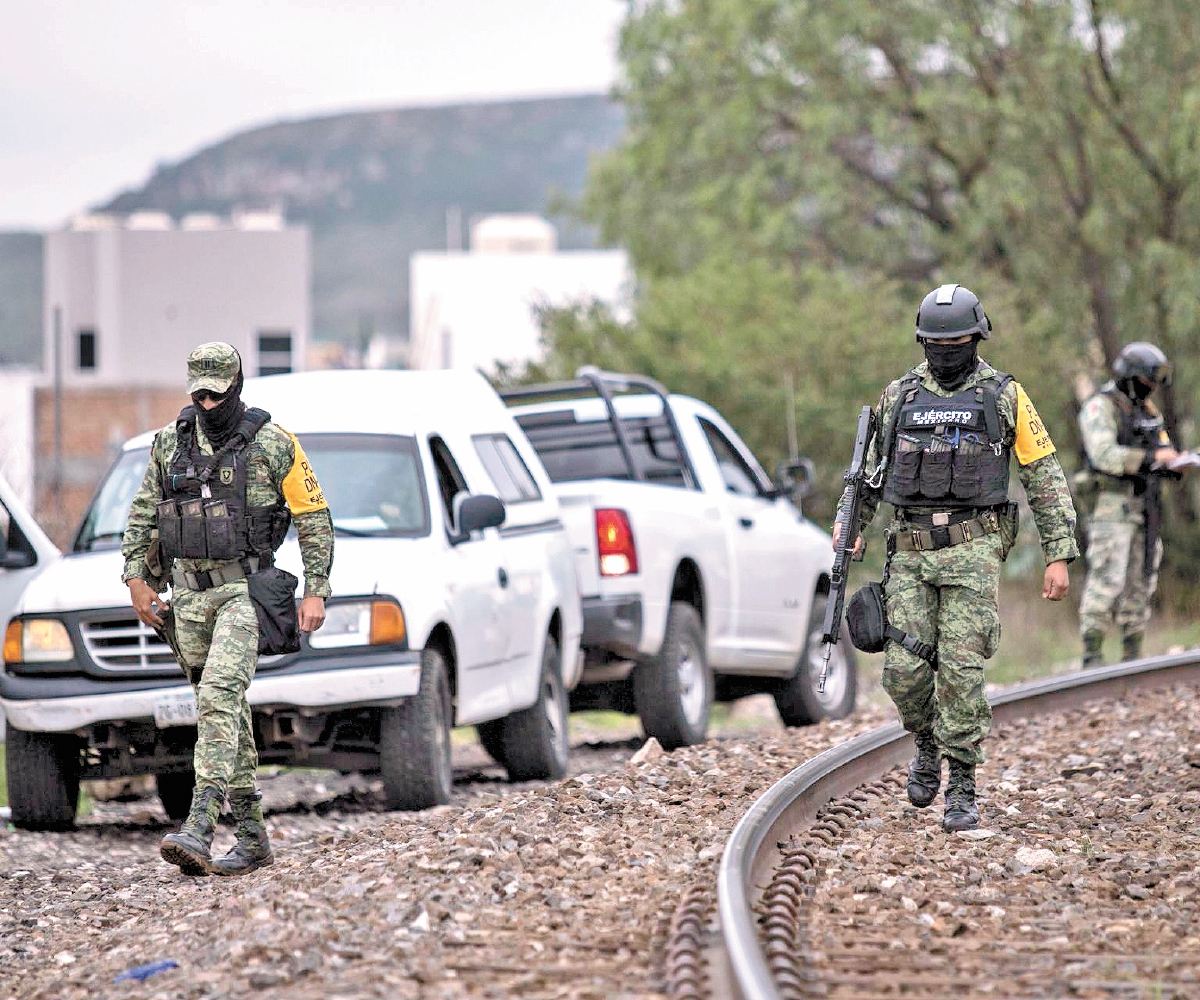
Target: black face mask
(950,364)
(219,423)
(1138,388)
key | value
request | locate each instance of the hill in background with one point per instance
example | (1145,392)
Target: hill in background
(375,186)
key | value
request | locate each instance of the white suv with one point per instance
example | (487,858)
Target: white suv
(454,601)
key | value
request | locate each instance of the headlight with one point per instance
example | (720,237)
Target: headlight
(37,640)
(373,622)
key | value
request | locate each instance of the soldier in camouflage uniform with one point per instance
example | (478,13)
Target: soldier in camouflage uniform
(240,477)
(947,430)
(1126,452)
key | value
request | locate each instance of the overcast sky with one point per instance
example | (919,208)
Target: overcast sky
(95,93)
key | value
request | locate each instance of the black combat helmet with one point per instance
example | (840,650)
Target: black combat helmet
(1142,360)
(951,311)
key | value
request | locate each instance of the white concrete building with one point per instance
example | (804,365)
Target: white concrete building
(473,309)
(127,299)
(17,431)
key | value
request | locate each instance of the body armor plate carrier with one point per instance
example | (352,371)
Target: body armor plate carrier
(947,452)
(204,513)
(1138,426)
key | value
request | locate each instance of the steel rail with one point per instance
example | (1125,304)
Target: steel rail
(790,805)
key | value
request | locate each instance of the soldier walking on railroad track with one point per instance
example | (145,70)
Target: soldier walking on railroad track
(222,486)
(947,430)
(1127,452)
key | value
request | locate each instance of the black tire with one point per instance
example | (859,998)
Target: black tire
(491,738)
(43,779)
(175,793)
(797,699)
(673,692)
(414,742)
(535,740)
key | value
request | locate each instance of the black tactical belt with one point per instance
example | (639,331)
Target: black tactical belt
(906,539)
(215,577)
(940,519)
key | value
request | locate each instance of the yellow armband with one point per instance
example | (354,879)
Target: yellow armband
(300,487)
(1033,440)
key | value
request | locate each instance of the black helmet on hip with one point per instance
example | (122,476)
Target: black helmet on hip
(1142,360)
(951,311)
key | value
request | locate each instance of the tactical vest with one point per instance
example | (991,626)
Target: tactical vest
(1137,427)
(947,451)
(204,513)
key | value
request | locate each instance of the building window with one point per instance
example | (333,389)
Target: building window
(86,360)
(274,352)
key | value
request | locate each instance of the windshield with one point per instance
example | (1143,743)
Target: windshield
(104,523)
(372,482)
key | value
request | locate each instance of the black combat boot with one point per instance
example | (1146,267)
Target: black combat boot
(961,811)
(1093,645)
(1131,646)
(253,849)
(925,771)
(189,848)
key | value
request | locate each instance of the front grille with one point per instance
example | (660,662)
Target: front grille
(125,644)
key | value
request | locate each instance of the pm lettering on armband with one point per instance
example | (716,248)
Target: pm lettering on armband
(941,415)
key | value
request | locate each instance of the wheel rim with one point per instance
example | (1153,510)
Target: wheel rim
(837,677)
(442,741)
(555,710)
(693,693)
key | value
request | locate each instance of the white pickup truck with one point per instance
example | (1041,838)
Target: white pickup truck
(454,603)
(701,579)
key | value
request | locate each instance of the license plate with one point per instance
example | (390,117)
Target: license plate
(175,710)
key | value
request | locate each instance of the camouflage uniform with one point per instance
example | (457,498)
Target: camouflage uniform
(216,630)
(1119,585)
(949,596)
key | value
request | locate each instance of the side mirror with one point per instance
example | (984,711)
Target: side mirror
(17,559)
(474,512)
(796,477)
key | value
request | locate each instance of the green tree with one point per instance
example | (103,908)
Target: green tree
(797,173)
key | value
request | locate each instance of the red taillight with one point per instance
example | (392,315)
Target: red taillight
(614,542)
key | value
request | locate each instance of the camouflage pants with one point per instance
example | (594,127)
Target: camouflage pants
(217,632)
(1118,588)
(947,597)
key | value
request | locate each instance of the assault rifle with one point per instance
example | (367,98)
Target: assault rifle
(848,518)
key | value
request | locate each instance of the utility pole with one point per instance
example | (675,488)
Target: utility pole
(454,239)
(58,421)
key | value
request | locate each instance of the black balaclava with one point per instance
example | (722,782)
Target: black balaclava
(1137,389)
(219,423)
(950,364)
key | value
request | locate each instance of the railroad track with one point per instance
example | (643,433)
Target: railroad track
(748,940)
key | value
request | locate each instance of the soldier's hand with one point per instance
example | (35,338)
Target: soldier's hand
(1165,456)
(837,537)
(311,615)
(146,603)
(1056,582)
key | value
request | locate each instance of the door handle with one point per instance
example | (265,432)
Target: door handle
(502,576)
(746,522)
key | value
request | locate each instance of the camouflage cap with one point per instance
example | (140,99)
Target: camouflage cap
(213,367)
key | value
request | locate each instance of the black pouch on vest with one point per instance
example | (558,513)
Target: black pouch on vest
(906,466)
(968,473)
(273,592)
(935,473)
(192,530)
(170,529)
(222,539)
(866,618)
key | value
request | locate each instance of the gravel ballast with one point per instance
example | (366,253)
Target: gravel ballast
(536,890)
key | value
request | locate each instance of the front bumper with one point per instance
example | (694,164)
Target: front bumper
(63,704)
(613,624)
